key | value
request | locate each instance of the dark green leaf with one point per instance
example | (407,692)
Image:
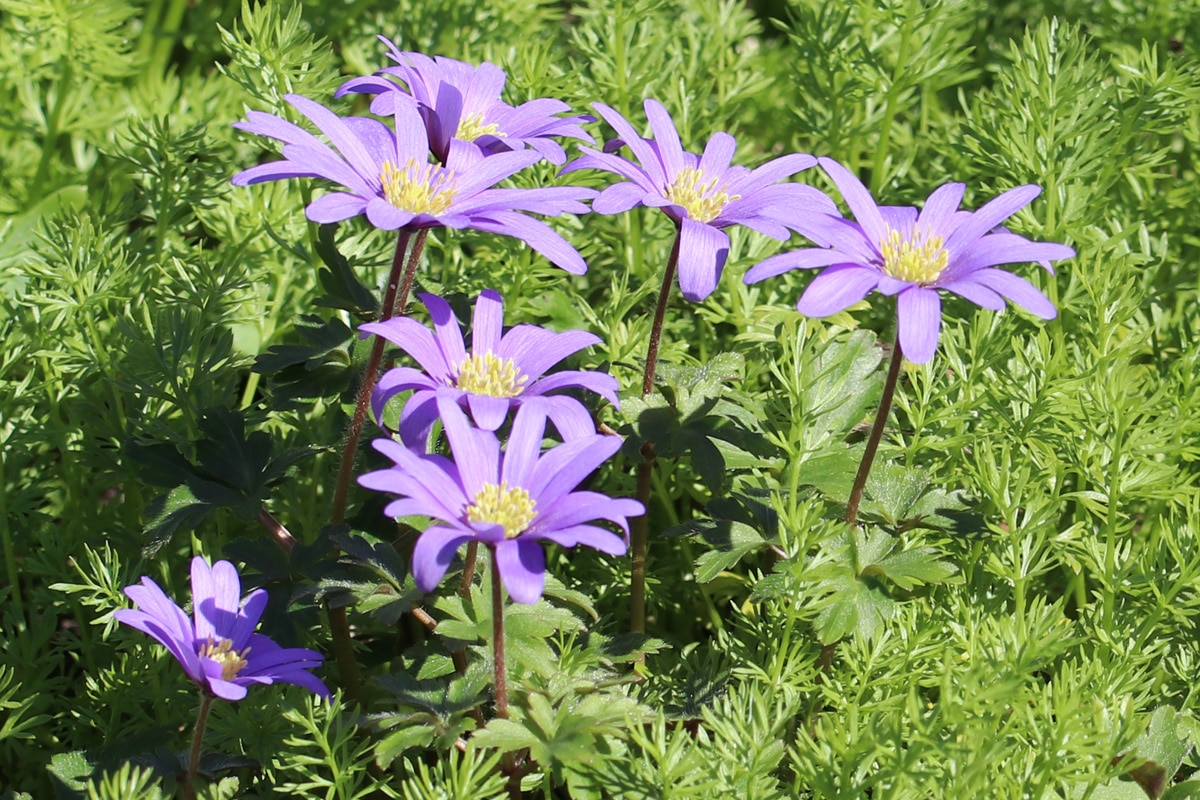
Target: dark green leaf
(212,764)
(69,773)
(344,289)
(180,508)
(226,451)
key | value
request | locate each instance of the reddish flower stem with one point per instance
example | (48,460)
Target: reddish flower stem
(468,575)
(638,535)
(193,767)
(362,403)
(500,671)
(639,526)
(660,312)
(395,298)
(885,407)
(282,536)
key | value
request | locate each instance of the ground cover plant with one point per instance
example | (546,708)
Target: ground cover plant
(662,398)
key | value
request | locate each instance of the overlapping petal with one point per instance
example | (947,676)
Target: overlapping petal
(703,193)
(463,100)
(528,351)
(549,480)
(363,156)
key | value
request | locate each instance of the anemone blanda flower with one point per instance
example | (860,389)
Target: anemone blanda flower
(500,373)
(511,500)
(912,255)
(386,175)
(462,101)
(702,194)
(218,647)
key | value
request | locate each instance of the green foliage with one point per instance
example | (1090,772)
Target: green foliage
(134,783)
(1015,618)
(468,776)
(325,756)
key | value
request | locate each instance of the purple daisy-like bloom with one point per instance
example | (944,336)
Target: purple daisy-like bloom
(912,255)
(510,500)
(218,647)
(501,371)
(462,101)
(386,175)
(701,193)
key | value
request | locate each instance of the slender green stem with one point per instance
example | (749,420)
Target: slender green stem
(500,671)
(885,406)
(639,526)
(10,559)
(282,283)
(783,649)
(193,767)
(165,37)
(1112,516)
(150,22)
(62,85)
(889,110)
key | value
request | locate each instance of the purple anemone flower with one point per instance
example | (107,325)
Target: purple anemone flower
(462,101)
(912,255)
(387,176)
(501,371)
(218,647)
(511,500)
(702,194)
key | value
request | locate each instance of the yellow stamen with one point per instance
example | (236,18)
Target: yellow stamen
(419,188)
(232,662)
(490,375)
(471,127)
(698,197)
(918,258)
(512,508)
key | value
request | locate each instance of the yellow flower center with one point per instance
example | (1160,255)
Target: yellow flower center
(471,127)
(232,662)
(512,508)
(490,375)
(918,258)
(698,197)
(419,188)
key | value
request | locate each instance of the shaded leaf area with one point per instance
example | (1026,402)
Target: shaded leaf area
(320,367)
(857,580)
(227,468)
(431,712)
(901,498)
(563,736)
(695,414)
(736,526)
(75,774)
(320,364)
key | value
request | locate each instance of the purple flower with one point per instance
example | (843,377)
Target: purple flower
(218,648)
(912,254)
(388,177)
(461,101)
(702,194)
(510,500)
(501,372)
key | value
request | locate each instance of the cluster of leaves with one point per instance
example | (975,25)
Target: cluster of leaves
(1014,617)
